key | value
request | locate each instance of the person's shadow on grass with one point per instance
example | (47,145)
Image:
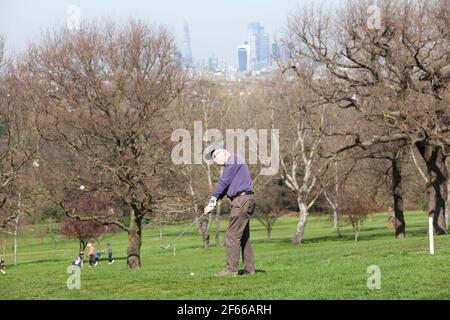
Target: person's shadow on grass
(242,272)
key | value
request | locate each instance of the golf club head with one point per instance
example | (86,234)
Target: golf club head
(164,247)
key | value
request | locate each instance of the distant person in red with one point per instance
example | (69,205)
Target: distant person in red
(92,260)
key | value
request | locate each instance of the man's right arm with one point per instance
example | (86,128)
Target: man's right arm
(222,186)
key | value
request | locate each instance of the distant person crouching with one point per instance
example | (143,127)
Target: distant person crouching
(78,262)
(2,265)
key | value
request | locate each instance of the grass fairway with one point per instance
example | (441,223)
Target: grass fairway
(324,267)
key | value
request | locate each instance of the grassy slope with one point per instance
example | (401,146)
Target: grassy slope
(324,267)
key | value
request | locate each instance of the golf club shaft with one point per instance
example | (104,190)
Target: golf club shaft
(185,230)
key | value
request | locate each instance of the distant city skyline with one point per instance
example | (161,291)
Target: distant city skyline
(216,28)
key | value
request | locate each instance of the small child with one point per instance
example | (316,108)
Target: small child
(110,259)
(97,257)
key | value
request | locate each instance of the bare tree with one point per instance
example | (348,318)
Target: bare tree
(103,97)
(301,165)
(15,149)
(395,77)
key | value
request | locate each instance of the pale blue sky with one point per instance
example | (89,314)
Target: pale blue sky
(216,26)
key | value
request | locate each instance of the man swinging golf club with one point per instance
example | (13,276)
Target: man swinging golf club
(236,183)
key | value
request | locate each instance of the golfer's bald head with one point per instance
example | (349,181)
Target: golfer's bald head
(220,156)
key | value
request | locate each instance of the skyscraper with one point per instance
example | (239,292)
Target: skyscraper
(259,43)
(254,31)
(276,53)
(264,58)
(187,50)
(244,53)
(213,64)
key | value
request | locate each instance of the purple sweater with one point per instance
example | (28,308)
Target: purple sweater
(235,179)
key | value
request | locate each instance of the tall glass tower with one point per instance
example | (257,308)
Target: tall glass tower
(259,43)
(243,58)
(187,49)
(264,58)
(254,42)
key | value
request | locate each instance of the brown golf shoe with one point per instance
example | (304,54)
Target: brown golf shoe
(227,273)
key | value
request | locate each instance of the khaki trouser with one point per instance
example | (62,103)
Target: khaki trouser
(238,234)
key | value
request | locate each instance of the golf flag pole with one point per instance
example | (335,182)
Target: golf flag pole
(430,233)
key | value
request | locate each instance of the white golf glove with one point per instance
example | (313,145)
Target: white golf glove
(211,205)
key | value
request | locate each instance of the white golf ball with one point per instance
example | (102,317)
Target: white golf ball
(82,187)
(192,273)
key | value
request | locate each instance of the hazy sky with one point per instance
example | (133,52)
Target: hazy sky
(217,27)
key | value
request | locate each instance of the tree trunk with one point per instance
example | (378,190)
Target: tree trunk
(16,231)
(217,231)
(303,215)
(83,244)
(447,203)
(203,228)
(50,221)
(336,222)
(207,232)
(269,234)
(434,160)
(335,206)
(204,232)
(4,243)
(15,241)
(398,197)
(134,239)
